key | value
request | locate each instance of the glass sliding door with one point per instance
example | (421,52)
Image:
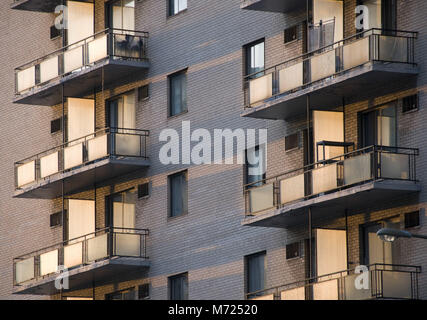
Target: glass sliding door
(379,127)
(122,14)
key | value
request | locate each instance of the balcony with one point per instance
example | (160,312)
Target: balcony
(80,163)
(346,69)
(108,255)
(384,282)
(94,62)
(356,180)
(282,6)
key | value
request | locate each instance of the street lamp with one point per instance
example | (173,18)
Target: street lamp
(389,235)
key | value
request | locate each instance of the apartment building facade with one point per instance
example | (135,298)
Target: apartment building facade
(85,192)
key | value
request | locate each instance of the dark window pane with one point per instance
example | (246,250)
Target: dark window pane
(291,142)
(255,165)
(143,190)
(255,58)
(410,103)
(291,34)
(56,219)
(412,219)
(255,272)
(176,6)
(178,93)
(293,250)
(178,194)
(54,32)
(144,291)
(143,93)
(178,287)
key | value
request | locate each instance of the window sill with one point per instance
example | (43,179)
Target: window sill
(176,14)
(177,115)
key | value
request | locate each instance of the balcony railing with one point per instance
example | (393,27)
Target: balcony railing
(385,282)
(354,168)
(100,245)
(106,143)
(374,45)
(114,44)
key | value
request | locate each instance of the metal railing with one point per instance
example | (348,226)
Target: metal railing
(388,46)
(385,281)
(347,170)
(105,143)
(97,246)
(110,43)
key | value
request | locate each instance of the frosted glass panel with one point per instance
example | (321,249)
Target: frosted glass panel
(128,145)
(49,165)
(292,189)
(328,126)
(293,294)
(97,147)
(291,77)
(357,169)
(73,59)
(26,173)
(350,291)
(325,178)
(261,88)
(325,10)
(24,270)
(356,53)
(327,290)
(127,244)
(81,118)
(97,248)
(73,156)
(322,65)
(73,255)
(49,69)
(393,49)
(26,79)
(80,21)
(49,262)
(394,166)
(97,49)
(124,215)
(261,198)
(331,251)
(397,285)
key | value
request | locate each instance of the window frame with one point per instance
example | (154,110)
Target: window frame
(170,192)
(246,271)
(184,102)
(248,57)
(170,8)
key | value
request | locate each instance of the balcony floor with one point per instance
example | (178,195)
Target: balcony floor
(80,83)
(80,178)
(273,5)
(329,93)
(332,205)
(116,269)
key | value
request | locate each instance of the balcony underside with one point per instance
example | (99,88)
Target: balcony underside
(329,93)
(332,205)
(81,178)
(80,83)
(38,5)
(273,5)
(112,270)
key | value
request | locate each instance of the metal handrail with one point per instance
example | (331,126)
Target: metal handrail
(142,34)
(335,276)
(307,169)
(111,250)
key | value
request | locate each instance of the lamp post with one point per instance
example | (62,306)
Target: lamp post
(390,235)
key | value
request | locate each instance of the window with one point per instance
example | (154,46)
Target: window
(292,142)
(55,125)
(144,291)
(122,115)
(291,34)
(177,93)
(255,58)
(143,190)
(143,93)
(56,219)
(255,272)
(176,6)
(410,103)
(255,166)
(121,14)
(178,287)
(178,194)
(412,219)
(54,32)
(122,210)
(293,250)
(127,294)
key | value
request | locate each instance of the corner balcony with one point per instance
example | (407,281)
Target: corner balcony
(104,58)
(353,181)
(107,255)
(282,6)
(95,158)
(384,282)
(346,69)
